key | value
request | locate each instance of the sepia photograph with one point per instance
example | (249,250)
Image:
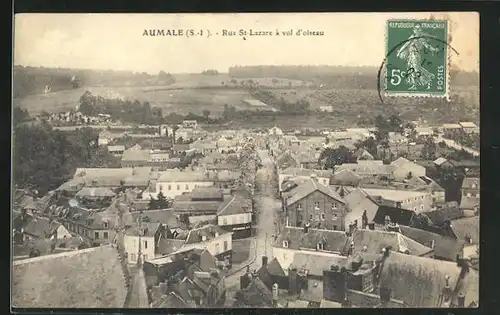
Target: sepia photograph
(249,160)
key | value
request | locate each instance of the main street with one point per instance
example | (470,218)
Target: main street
(267,207)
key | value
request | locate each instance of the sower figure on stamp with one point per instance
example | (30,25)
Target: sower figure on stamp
(411,52)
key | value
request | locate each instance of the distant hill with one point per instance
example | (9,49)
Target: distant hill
(34,80)
(336,76)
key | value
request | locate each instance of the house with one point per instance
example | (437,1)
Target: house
(51,287)
(141,241)
(445,248)
(466,229)
(345,177)
(469,127)
(368,168)
(116,149)
(224,179)
(135,157)
(425,283)
(418,201)
(318,242)
(286,160)
(320,176)
(426,183)
(216,240)
(228,145)
(444,163)
(470,193)
(404,169)
(424,131)
(179,148)
(448,212)
(449,130)
(205,146)
(235,215)
(254,294)
(307,159)
(275,131)
(362,154)
(315,204)
(28,227)
(190,124)
(175,182)
(164,216)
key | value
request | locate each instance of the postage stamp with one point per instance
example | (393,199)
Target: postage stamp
(417,58)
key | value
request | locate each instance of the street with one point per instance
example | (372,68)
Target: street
(138,294)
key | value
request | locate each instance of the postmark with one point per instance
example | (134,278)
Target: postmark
(417,55)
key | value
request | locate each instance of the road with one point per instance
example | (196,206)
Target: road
(267,207)
(456,145)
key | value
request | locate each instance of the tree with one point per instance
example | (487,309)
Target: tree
(206,114)
(337,156)
(19,115)
(429,149)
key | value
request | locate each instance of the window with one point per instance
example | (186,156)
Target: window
(322,216)
(169,187)
(224,221)
(422,208)
(335,216)
(334,206)
(145,257)
(310,217)
(225,246)
(105,224)
(145,244)
(474,186)
(285,244)
(217,249)
(335,228)
(132,257)
(469,194)
(178,187)
(96,235)
(316,204)
(299,207)
(105,235)
(319,246)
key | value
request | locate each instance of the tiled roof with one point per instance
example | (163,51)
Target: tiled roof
(333,241)
(306,172)
(147,229)
(393,194)
(444,247)
(466,227)
(397,215)
(182,176)
(234,205)
(257,294)
(274,268)
(376,240)
(315,264)
(165,216)
(440,161)
(195,206)
(345,177)
(209,231)
(449,212)
(89,278)
(471,182)
(367,168)
(134,155)
(206,193)
(95,192)
(307,188)
(40,227)
(419,281)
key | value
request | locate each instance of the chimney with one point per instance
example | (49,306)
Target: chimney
(264,261)
(461,300)
(293,280)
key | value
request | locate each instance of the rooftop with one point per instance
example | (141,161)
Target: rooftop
(308,187)
(89,278)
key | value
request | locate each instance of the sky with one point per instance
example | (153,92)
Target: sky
(116,41)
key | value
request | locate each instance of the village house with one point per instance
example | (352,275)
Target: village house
(320,176)
(368,168)
(228,145)
(199,205)
(141,241)
(315,204)
(235,215)
(450,130)
(404,169)
(286,160)
(470,193)
(362,154)
(469,127)
(116,149)
(135,158)
(186,279)
(27,227)
(204,146)
(190,124)
(175,182)
(418,201)
(345,177)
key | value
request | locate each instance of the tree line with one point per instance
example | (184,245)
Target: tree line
(33,80)
(45,158)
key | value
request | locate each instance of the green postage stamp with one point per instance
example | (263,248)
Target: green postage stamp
(417,58)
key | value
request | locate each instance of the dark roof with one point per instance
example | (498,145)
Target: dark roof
(274,268)
(398,215)
(333,241)
(206,193)
(201,206)
(445,248)
(171,300)
(314,264)
(345,177)
(146,229)
(165,216)
(466,227)
(168,246)
(257,294)
(40,227)
(447,213)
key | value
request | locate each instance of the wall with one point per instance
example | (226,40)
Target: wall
(333,218)
(234,219)
(131,245)
(178,188)
(285,255)
(422,203)
(62,232)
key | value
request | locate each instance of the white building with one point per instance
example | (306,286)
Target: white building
(143,238)
(175,182)
(214,239)
(235,215)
